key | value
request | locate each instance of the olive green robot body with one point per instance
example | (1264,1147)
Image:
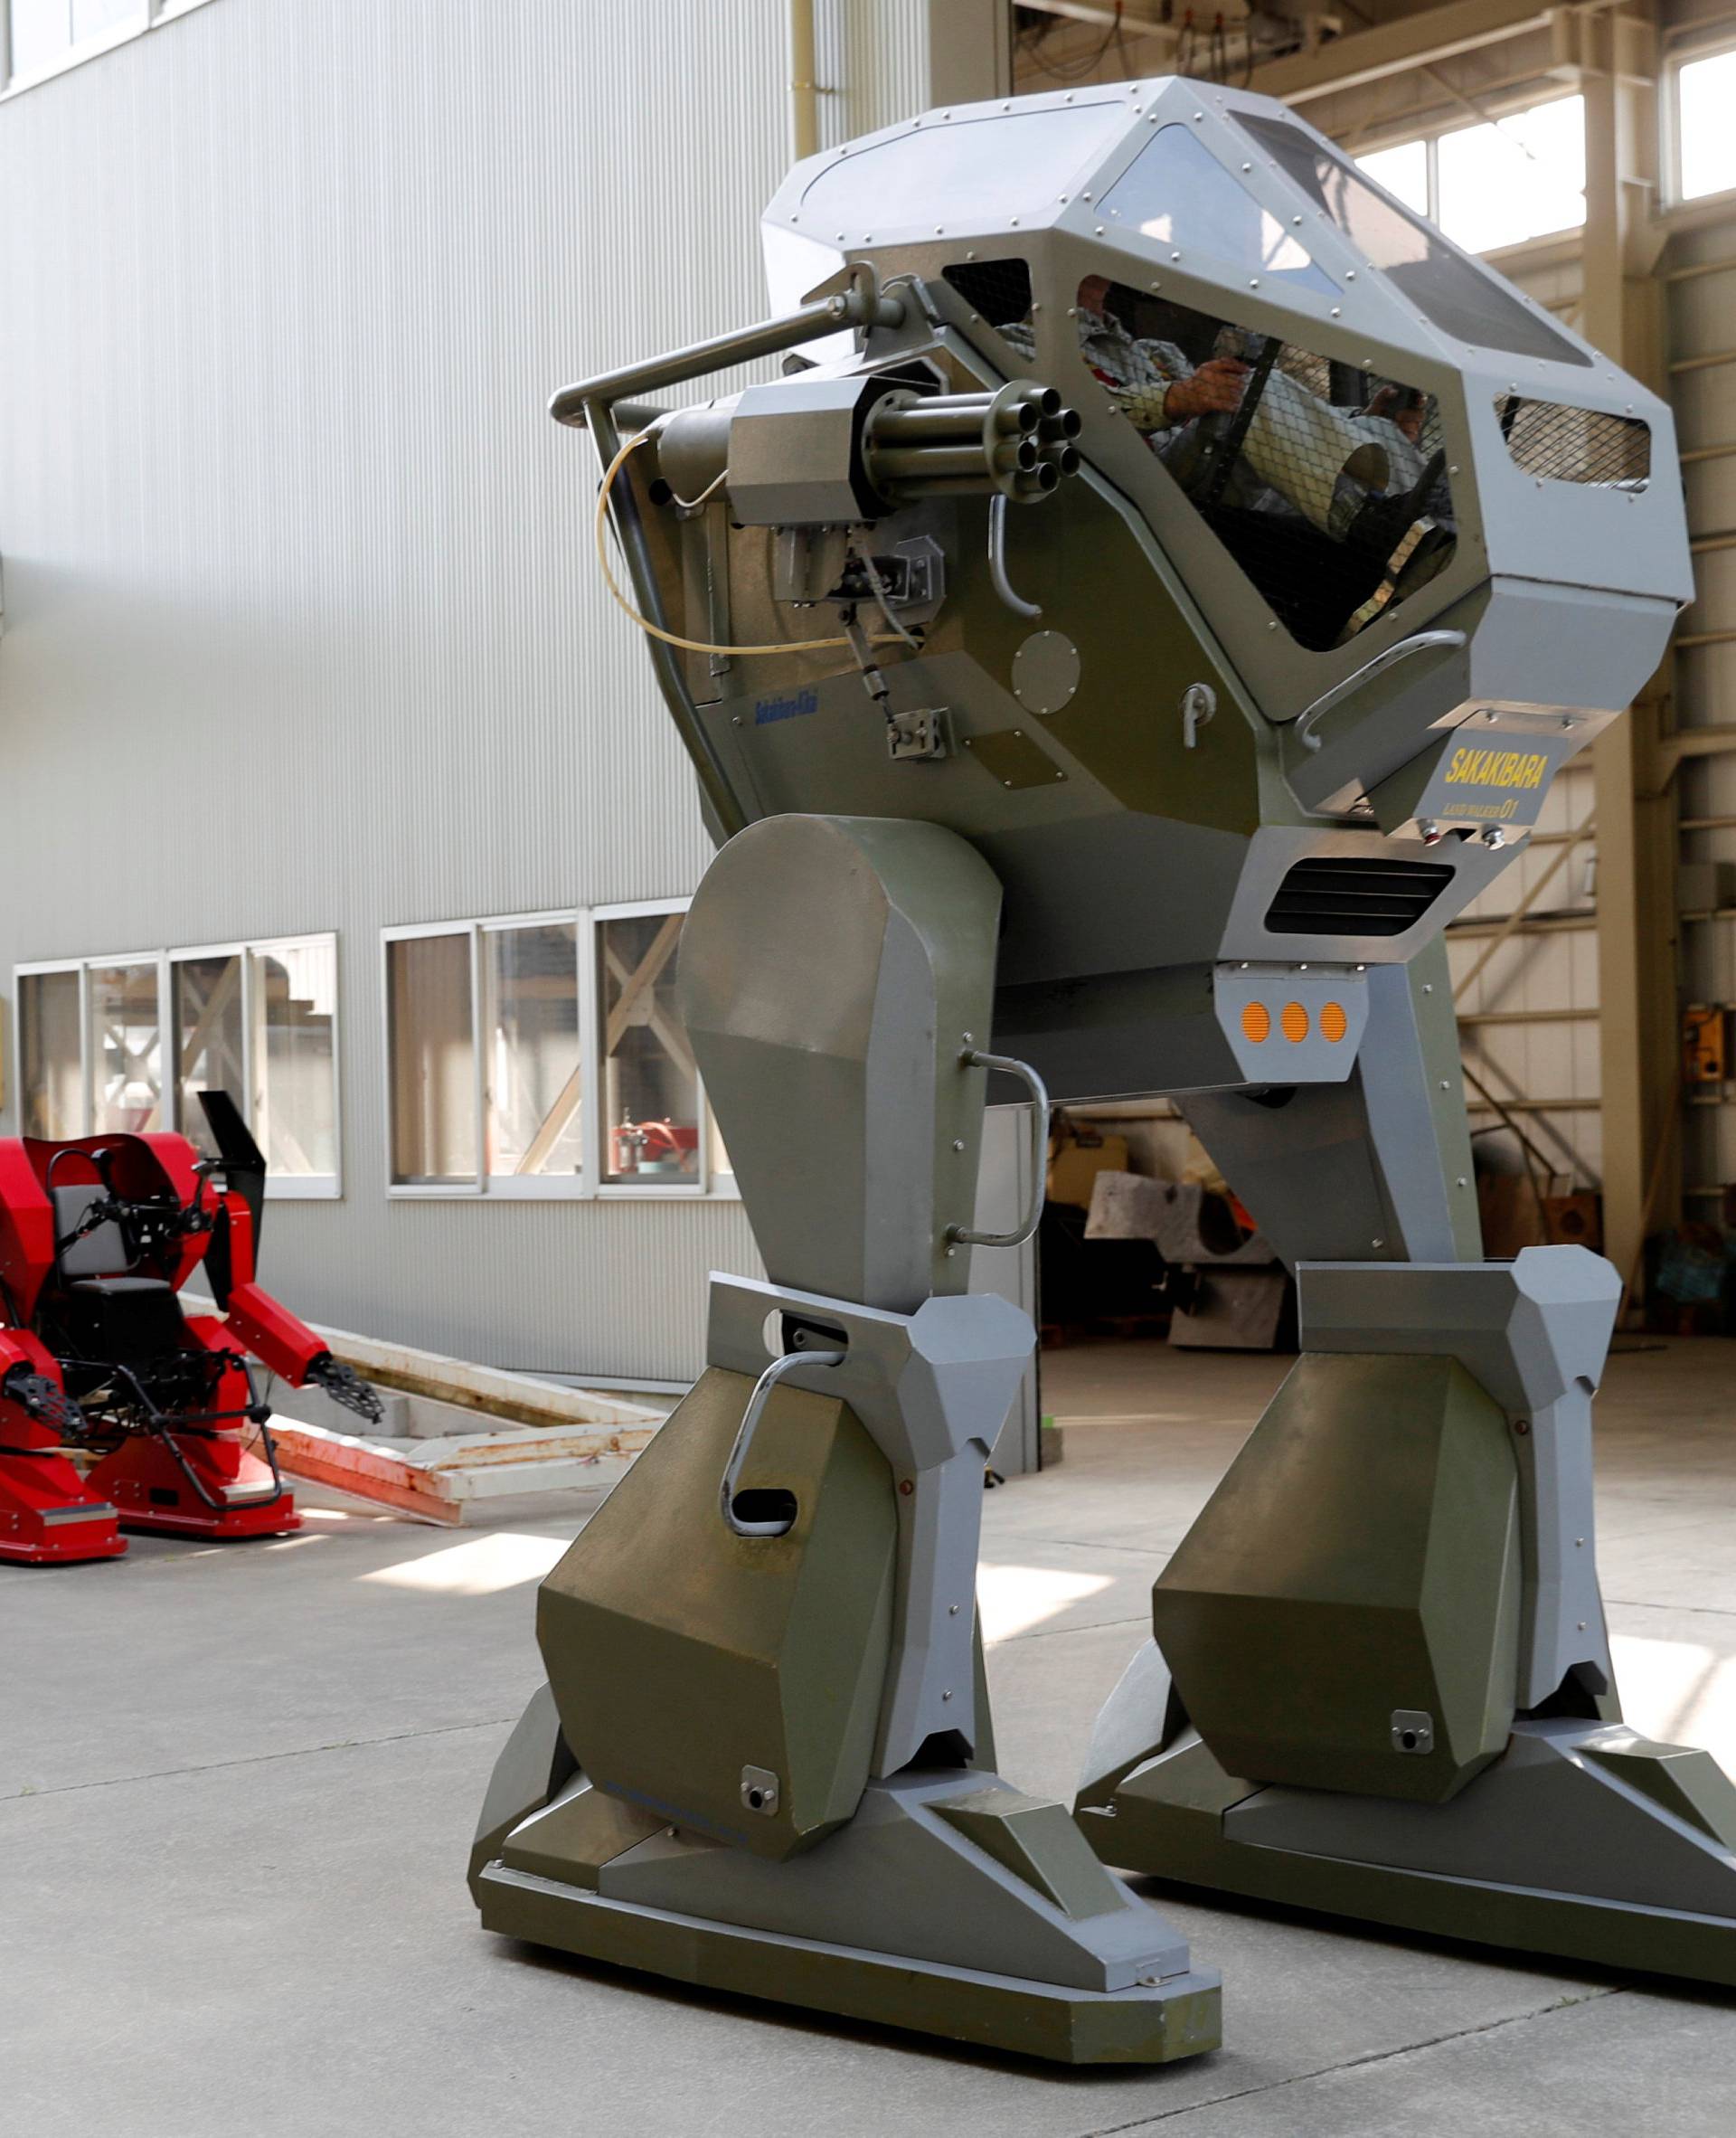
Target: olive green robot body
(1055,715)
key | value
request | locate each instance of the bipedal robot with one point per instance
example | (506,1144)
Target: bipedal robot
(97,1236)
(1341,547)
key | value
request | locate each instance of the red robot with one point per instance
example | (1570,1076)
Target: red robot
(97,1236)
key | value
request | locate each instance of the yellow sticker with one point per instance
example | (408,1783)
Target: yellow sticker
(1497,767)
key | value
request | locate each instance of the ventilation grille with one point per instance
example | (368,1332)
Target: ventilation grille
(1356,894)
(999,289)
(1575,445)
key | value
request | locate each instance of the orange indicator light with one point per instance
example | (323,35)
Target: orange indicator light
(1256,1022)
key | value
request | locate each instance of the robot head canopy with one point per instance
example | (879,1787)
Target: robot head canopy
(1332,480)
(1417,439)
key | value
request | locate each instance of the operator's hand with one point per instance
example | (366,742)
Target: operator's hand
(1215,390)
(1401,408)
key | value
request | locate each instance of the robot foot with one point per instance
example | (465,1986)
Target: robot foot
(210,1486)
(48,1517)
(1584,1840)
(950,1904)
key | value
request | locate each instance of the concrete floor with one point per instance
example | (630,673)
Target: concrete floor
(237,1785)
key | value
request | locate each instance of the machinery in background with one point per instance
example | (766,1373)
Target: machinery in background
(1226,1288)
(98,1359)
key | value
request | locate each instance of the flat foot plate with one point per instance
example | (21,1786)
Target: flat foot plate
(1518,1919)
(1155,2023)
(235,1528)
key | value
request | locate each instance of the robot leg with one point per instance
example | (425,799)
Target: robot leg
(763,1760)
(1381,1682)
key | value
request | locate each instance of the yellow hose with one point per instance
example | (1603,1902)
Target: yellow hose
(656,630)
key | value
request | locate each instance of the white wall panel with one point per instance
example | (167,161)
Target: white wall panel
(304,630)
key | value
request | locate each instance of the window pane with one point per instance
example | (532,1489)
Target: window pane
(127,1043)
(652,1096)
(208,1028)
(48,1034)
(432,1042)
(91,18)
(1522,178)
(722,1166)
(1704,92)
(41,30)
(1403,170)
(1176,192)
(1461,298)
(533,1071)
(295,1115)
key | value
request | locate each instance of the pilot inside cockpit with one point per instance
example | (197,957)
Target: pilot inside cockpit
(1326,486)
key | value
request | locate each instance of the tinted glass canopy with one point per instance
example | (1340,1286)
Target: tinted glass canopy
(1178,194)
(1459,296)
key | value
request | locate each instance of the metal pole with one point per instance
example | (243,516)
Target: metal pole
(1621,314)
(862,305)
(804,97)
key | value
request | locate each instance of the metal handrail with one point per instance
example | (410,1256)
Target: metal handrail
(960,1235)
(998,560)
(1420,642)
(860,305)
(749,1425)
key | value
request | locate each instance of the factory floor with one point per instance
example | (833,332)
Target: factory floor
(237,1786)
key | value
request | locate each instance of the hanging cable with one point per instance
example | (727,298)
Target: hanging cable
(645,622)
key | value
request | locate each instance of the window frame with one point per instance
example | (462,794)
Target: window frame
(38,969)
(533,1187)
(147,16)
(280,1187)
(1718,44)
(431,1190)
(1499,109)
(285,1186)
(589,1183)
(679,1191)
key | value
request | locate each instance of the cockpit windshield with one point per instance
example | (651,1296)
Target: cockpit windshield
(1446,287)
(1328,484)
(1178,195)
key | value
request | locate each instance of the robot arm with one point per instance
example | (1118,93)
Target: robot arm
(290,1347)
(30,1379)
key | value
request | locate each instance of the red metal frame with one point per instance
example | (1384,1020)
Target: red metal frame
(181,1474)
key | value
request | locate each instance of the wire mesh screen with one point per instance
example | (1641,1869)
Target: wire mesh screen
(1575,445)
(1326,485)
(999,289)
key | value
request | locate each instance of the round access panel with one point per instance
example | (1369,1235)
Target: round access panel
(1046,671)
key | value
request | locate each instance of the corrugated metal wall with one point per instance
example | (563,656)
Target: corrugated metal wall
(302,626)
